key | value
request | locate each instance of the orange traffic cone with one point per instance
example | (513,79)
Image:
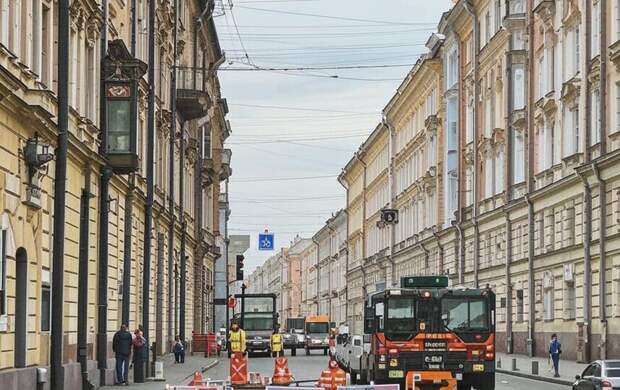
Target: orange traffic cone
(281,373)
(332,377)
(238,369)
(197,381)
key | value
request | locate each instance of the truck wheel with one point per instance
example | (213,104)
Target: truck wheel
(325,352)
(294,352)
(307,352)
(353,375)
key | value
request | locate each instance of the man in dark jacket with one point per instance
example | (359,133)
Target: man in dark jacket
(555,349)
(121,345)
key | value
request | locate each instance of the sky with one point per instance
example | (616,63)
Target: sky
(293,131)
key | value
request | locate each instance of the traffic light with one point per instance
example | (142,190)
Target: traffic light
(240,259)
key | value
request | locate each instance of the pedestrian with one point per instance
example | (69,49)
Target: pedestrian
(555,350)
(121,345)
(139,354)
(179,351)
(276,343)
(236,338)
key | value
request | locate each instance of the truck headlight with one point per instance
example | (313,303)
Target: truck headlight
(382,358)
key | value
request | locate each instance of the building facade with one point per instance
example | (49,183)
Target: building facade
(29,62)
(514,181)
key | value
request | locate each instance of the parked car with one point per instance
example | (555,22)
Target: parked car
(599,375)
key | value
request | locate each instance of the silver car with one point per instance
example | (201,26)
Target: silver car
(599,375)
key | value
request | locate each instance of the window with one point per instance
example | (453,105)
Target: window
(516,7)
(487,27)
(46,307)
(451,160)
(548,303)
(569,225)
(518,81)
(568,301)
(488,122)
(520,305)
(596,17)
(452,77)
(499,172)
(4,23)
(541,78)
(3,240)
(15,12)
(45,46)
(596,119)
(469,121)
(498,15)
(617,14)
(488,178)
(576,40)
(464,313)
(518,155)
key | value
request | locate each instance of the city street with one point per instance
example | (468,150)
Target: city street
(304,367)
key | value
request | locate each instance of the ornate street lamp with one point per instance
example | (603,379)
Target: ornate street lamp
(121,72)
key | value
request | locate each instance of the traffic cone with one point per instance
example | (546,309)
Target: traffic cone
(281,373)
(197,381)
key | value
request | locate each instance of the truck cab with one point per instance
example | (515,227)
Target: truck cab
(317,333)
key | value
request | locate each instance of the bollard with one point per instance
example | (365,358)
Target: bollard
(499,363)
(534,367)
(154,356)
(514,365)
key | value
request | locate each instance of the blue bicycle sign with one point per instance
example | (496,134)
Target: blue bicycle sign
(265,242)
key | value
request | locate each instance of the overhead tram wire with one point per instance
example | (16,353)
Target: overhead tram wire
(380,22)
(272,179)
(299,108)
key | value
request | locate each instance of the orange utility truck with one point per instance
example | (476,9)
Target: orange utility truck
(317,333)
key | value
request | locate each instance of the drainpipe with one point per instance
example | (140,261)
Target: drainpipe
(183,271)
(82,354)
(602,184)
(461,251)
(531,341)
(440,264)
(171,144)
(148,207)
(346,272)
(318,275)
(470,9)
(391,193)
(60,185)
(423,248)
(602,279)
(509,341)
(587,260)
(104,208)
(127,249)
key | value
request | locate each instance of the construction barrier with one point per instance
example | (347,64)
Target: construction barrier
(436,380)
(238,369)
(333,377)
(199,342)
(281,373)
(211,348)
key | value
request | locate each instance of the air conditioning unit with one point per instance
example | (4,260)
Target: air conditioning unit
(569,272)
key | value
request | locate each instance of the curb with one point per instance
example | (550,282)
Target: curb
(210,366)
(557,381)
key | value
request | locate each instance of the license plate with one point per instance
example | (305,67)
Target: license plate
(433,359)
(257,343)
(478,368)
(434,366)
(395,374)
(435,345)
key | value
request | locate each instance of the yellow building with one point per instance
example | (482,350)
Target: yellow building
(28,112)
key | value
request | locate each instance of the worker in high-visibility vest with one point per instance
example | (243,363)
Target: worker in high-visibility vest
(236,338)
(276,343)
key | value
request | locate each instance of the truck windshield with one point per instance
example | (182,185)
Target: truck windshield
(258,323)
(317,327)
(465,314)
(258,304)
(400,315)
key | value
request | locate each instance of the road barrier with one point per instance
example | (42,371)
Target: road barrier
(281,373)
(238,369)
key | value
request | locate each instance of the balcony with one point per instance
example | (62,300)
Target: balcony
(226,170)
(515,19)
(192,99)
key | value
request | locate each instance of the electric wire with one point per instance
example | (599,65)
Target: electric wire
(271,179)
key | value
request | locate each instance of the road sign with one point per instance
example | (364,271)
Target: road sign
(232,302)
(265,241)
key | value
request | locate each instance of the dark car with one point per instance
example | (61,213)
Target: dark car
(599,375)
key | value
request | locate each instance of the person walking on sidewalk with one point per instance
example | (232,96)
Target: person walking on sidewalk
(555,349)
(276,343)
(139,354)
(236,339)
(179,351)
(121,345)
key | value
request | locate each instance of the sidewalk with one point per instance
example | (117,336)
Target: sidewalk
(174,373)
(568,368)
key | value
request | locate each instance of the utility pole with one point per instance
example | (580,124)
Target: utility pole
(148,210)
(60,182)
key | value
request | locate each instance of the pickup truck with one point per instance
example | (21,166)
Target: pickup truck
(352,355)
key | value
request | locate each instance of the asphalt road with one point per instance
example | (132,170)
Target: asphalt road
(310,367)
